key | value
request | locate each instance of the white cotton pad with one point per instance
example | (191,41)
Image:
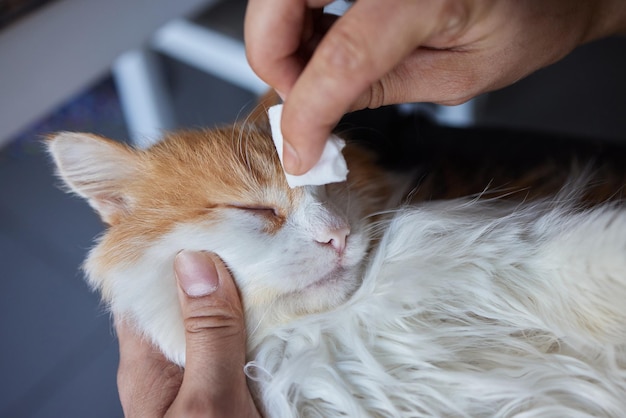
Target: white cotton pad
(331,168)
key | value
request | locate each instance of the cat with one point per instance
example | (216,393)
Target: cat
(388,295)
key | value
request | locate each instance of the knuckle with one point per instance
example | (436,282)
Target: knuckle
(376,95)
(196,406)
(454,18)
(343,51)
(198,324)
(221,318)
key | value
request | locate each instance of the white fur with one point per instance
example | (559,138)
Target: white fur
(467,308)
(273,272)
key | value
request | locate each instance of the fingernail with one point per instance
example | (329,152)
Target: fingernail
(196,273)
(291,159)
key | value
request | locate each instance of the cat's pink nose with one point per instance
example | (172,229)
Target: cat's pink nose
(335,238)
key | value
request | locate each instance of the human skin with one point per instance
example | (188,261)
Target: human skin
(213,383)
(396,51)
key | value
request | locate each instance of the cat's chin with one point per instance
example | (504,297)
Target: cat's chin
(328,291)
(324,294)
(331,279)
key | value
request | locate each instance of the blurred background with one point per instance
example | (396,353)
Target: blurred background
(129,70)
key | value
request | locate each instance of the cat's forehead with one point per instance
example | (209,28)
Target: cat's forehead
(233,163)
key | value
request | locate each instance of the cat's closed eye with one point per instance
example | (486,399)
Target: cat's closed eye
(266,211)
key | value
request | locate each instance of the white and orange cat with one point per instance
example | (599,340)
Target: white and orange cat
(359,303)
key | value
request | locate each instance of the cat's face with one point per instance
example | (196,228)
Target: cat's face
(291,251)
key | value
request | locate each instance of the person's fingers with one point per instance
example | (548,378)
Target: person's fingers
(360,48)
(147,382)
(488,51)
(447,77)
(273,32)
(280,36)
(214,379)
(213,324)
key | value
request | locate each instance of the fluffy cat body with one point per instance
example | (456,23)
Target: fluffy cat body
(356,306)
(466,310)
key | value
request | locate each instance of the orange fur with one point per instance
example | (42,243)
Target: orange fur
(193,174)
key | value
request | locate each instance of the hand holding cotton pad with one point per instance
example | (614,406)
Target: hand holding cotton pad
(331,168)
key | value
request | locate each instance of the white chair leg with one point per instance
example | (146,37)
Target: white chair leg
(209,51)
(144,96)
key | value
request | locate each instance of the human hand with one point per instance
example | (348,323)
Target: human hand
(213,383)
(394,51)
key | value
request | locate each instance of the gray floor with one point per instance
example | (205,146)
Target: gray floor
(58,354)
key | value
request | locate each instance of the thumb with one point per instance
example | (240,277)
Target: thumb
(211,310)
(214,332)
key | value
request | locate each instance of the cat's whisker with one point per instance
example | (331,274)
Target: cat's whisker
(245,126)
(377,222)
(240,143)
(240,124)
(261,319)
(349,200)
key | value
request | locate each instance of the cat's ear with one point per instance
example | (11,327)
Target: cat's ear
(96,169)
